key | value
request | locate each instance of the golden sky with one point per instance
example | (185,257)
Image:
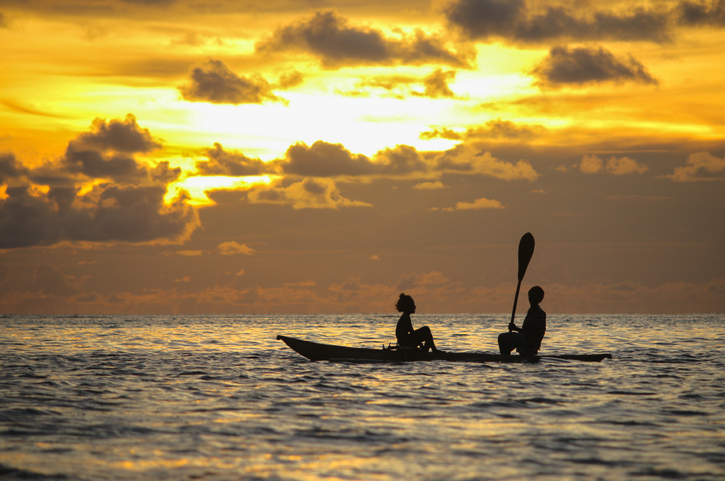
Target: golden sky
(174,156)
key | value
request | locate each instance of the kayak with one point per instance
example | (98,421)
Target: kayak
(315,351)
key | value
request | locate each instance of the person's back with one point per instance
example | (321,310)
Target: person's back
(534,328)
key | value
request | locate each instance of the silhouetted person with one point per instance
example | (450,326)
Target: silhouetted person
(407,337)
(526,339)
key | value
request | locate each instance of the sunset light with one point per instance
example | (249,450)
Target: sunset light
(426,135)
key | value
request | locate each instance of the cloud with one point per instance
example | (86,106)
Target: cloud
(430,185)
(477,204)
(400,160)
(307,194)
(11,169)
(163,173)
(232,248)
(336,44)
(436,84)
(324,159)
(515,21)
(31,217)
(624,166)
(290,79)
(189,253)
(106,152)
(493,129)
(52,281)
(55,202)
(702,13)
(591,164)
(213,82)
(421,282)
(701,166)
(232,164)
(124,136)
(467,159)
(582,65)
(27,109)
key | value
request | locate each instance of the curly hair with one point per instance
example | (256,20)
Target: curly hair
(405,303)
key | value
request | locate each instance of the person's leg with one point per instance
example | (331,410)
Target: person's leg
(508,341)
(425,337)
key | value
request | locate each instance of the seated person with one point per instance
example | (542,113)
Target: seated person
(526,339)
(408,337)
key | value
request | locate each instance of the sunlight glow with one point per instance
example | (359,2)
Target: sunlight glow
(198,186)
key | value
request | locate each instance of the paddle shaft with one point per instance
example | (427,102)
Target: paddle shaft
(516,298)
(526,251)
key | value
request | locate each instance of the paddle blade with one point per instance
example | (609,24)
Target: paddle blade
(526,250)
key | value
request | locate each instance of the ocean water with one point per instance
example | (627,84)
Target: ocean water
(219,398)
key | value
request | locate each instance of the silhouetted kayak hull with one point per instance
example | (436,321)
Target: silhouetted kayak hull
(315,351)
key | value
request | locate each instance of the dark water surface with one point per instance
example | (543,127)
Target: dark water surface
(218,398)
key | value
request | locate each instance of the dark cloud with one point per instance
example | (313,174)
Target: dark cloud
(323,159)
(515,21)
(401,160)
(3,21)
(123,136)
(579,66)
(436,84)
(11,168)
(234,164)
(493,130)
(164,174)
(30,217)
(214,82)
(98,165)
(337,44)
(702,14)
(106,152)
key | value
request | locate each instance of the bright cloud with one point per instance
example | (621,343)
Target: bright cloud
(477,204)
(700,166)
(232,247)
(591,164)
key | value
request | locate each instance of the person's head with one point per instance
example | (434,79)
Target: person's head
(405,303)
(536,295)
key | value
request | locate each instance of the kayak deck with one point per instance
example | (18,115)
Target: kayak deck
(315,351)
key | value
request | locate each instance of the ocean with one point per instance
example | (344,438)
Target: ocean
(219,398)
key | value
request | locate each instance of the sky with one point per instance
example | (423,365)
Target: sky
(323,156)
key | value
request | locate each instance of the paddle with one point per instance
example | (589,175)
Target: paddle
(526,250)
